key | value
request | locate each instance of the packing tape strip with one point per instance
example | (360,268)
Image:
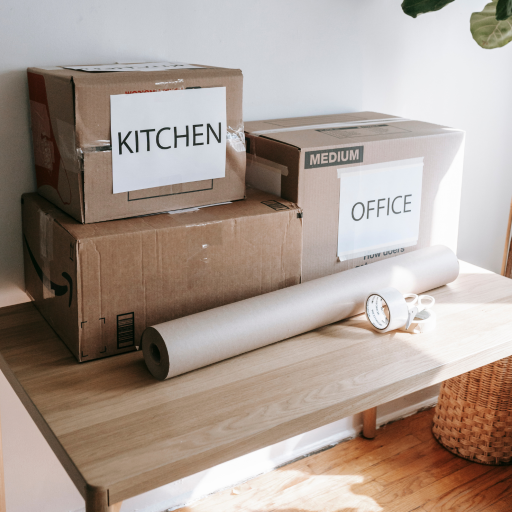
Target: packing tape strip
(46,251)
(398,310)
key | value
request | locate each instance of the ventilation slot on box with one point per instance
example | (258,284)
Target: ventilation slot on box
(125,330)
(275,205)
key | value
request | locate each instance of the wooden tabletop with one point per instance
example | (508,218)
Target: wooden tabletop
(112,425)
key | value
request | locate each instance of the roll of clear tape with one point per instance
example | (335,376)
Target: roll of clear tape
(198,340)
(387,310)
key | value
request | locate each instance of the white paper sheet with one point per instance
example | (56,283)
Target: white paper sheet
(380,207)
(168,137)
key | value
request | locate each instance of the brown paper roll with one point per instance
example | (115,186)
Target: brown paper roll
(191,342)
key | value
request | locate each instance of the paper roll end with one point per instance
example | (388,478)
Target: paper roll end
(155,353)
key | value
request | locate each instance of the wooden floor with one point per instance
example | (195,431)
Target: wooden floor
(403,469)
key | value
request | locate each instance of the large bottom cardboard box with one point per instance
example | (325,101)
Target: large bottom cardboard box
(100,285)
(370,185)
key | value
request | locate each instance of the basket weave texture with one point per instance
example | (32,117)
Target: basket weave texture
(473,417)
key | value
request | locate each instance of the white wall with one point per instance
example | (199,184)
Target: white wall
(299,57)
(430,68)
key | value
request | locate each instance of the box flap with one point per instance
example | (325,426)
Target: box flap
(63,72)
(295,122)
(329,136)
(58,165)
(257,203)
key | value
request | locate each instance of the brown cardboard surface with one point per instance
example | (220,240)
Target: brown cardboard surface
(70,113)
(317,190)
(100,285)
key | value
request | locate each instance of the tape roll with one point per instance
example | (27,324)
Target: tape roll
(386,310)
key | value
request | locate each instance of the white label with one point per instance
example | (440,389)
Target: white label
(143,66)
(379,207)
(169,137)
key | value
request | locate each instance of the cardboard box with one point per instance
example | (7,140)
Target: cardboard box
(100,285)
(71,131)
(370,185)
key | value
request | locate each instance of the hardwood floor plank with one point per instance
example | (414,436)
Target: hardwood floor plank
(500,506)
(461,480)
(419,476)
(354,466)
(483,492)
(402,470)
(418,467)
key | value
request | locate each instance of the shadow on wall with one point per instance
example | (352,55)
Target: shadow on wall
(16,175)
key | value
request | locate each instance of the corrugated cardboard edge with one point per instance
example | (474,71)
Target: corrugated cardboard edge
(86,238)
(54,277)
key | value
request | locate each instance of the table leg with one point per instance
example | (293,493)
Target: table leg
(3,507)
(370,423)
(97,501)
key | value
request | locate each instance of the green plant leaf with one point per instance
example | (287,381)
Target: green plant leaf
(503,9)
(489,32)
(415,7)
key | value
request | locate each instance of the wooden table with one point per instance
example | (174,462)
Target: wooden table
(118,432)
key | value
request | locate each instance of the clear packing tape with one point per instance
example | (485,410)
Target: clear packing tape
(46,252)
(185,344)
(235,137)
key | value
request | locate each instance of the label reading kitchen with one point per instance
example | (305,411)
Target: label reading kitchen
(168,137)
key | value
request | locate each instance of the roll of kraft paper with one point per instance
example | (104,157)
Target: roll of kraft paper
(191,342)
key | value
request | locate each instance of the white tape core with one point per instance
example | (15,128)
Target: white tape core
(376,313)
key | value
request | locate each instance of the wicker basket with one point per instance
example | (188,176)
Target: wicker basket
(473,417)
